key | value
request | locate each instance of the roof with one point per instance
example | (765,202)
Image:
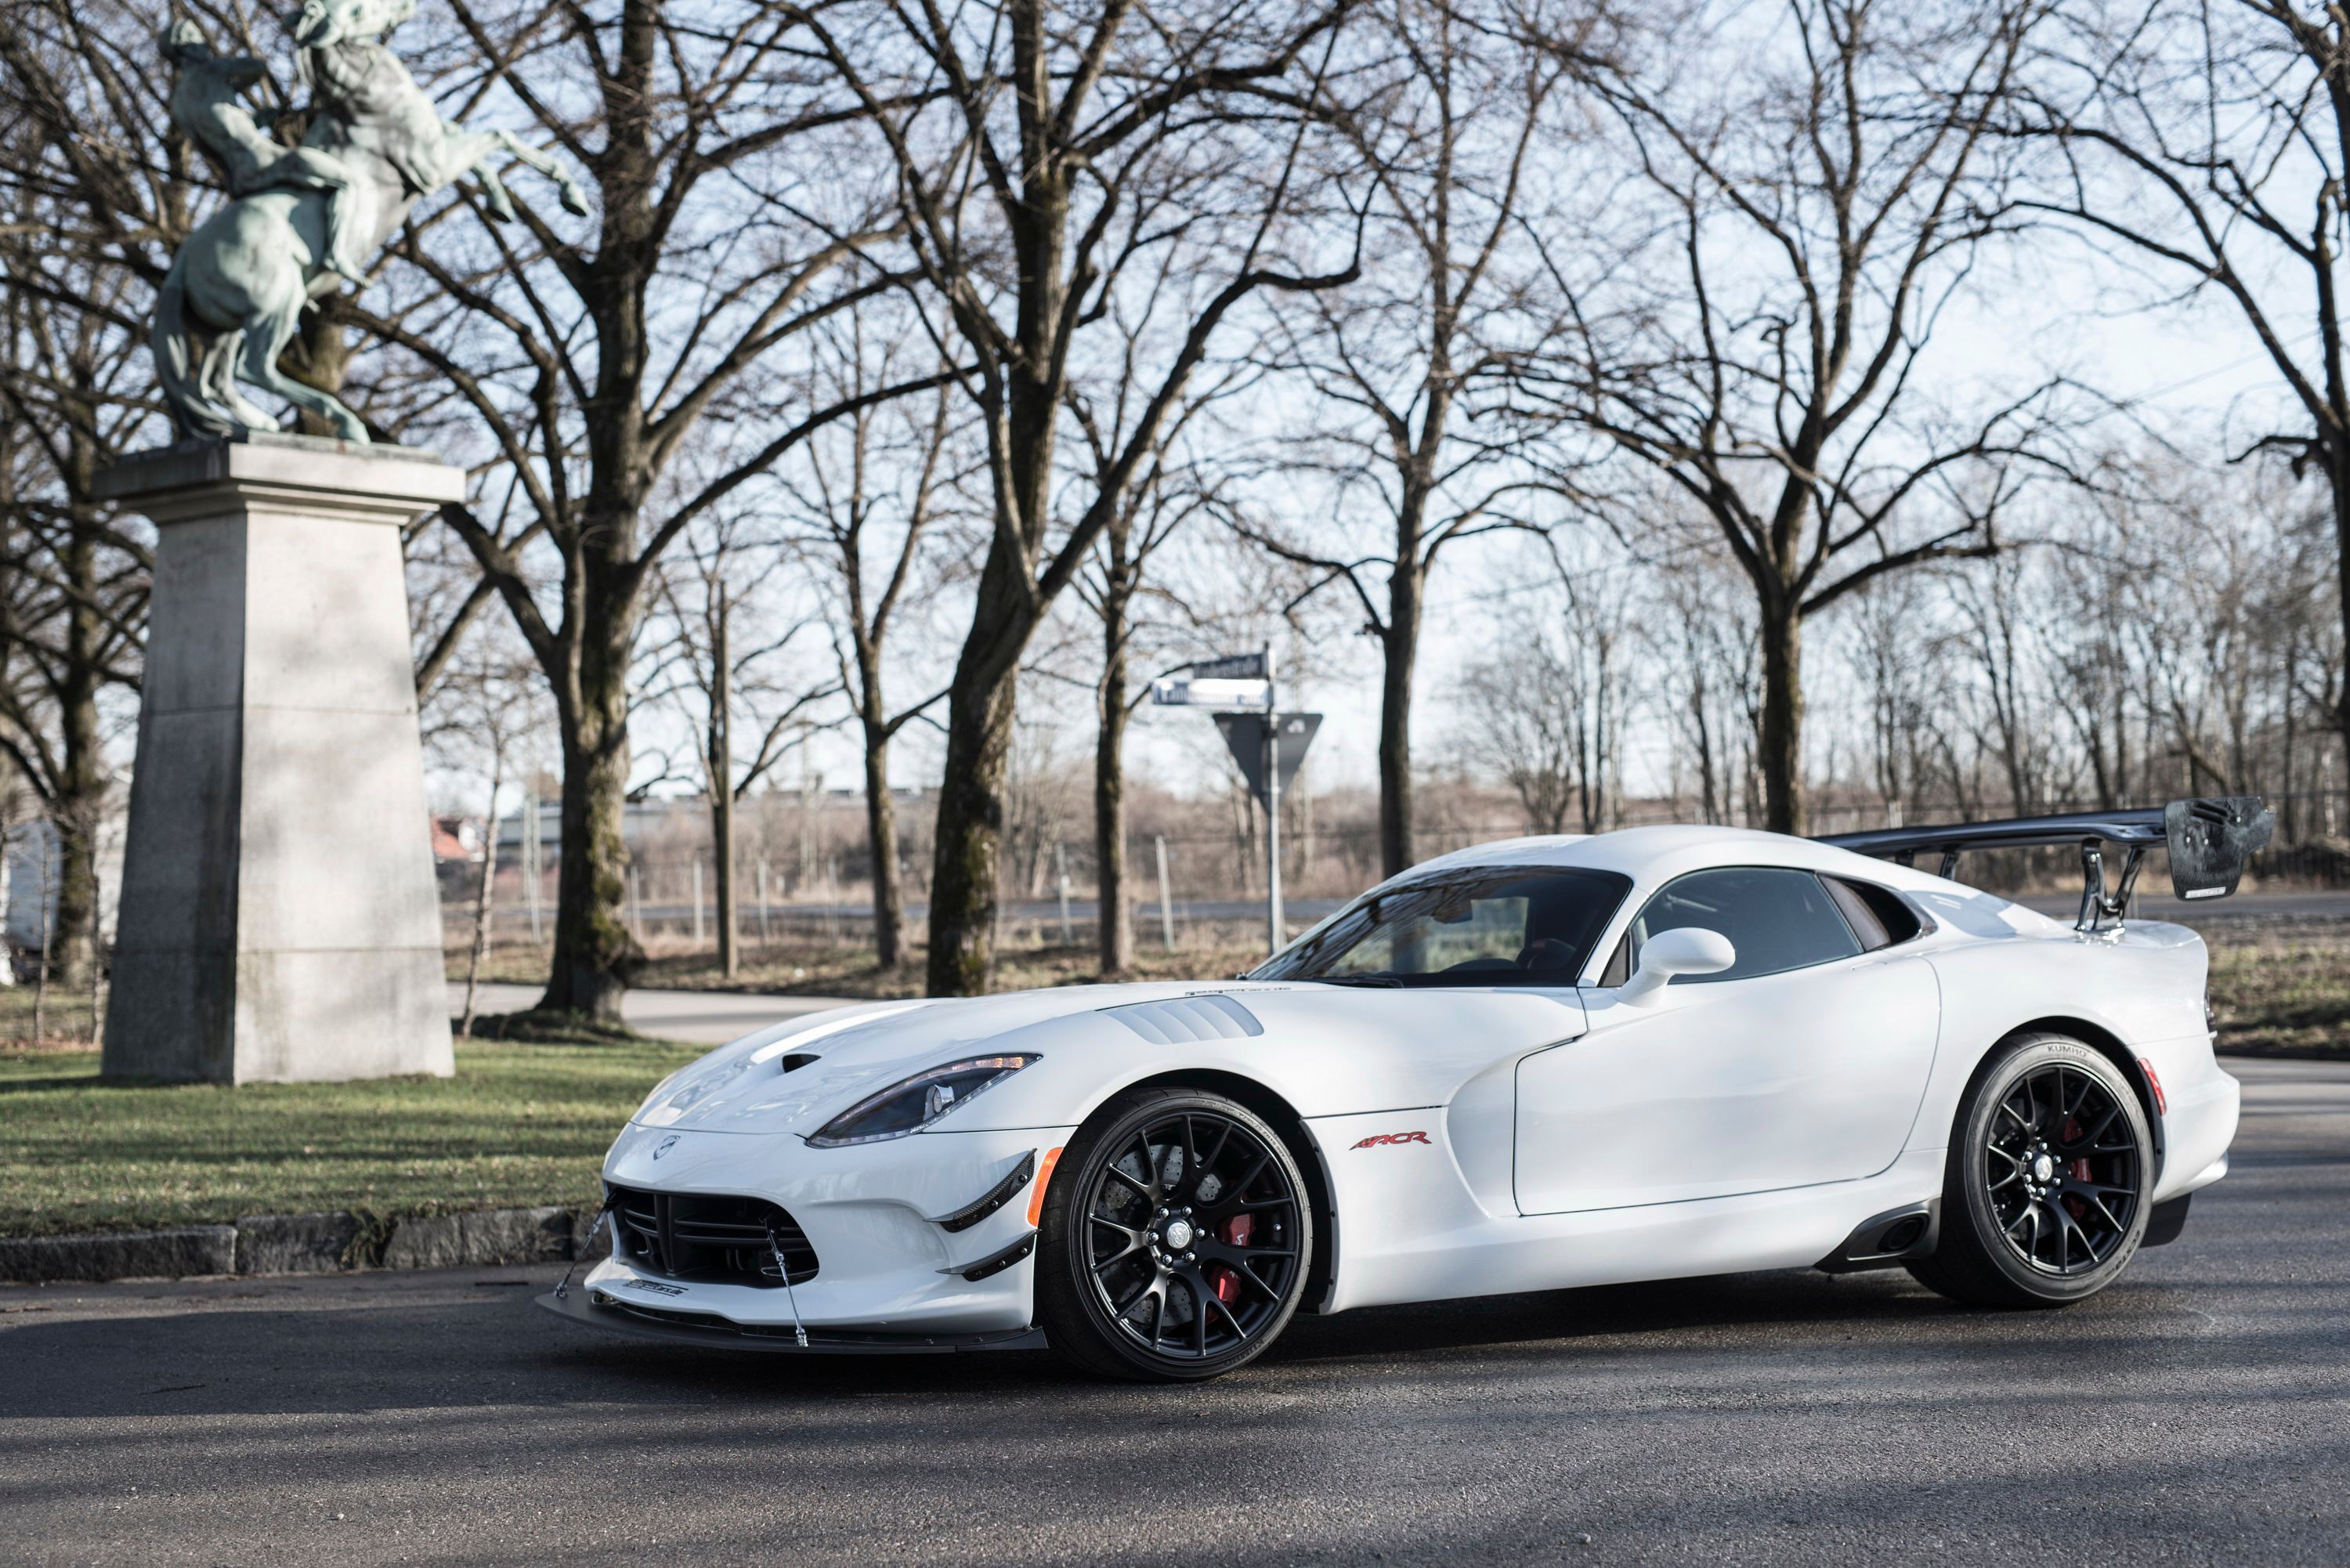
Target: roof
(1648,853)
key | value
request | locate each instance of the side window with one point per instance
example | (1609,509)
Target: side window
(1777,919)
(1878,918)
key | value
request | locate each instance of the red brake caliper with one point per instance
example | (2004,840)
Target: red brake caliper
(2080,1166)
(1234,1231)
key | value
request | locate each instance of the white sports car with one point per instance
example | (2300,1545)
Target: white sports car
(1550,1062)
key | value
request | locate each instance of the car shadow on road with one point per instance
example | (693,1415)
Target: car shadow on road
(1710,1302)
(500,1352)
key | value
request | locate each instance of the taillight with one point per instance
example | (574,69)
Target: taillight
(2154,1082)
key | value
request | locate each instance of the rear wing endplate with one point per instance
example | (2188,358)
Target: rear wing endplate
(2210,839)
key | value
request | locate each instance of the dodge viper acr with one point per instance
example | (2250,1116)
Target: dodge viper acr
(1555,1062)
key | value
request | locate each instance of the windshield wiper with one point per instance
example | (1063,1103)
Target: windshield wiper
(1388,981)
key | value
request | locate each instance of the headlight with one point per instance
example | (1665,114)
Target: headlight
(915,1102)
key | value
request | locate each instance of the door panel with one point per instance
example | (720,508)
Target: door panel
(1773,1080)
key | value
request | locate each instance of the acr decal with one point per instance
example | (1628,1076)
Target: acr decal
(1377,1139)
(654,1286)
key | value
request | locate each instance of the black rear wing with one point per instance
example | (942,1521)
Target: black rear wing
(2210,839)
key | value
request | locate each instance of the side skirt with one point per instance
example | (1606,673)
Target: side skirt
(1887,1240)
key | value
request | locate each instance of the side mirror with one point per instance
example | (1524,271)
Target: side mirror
(1684,949)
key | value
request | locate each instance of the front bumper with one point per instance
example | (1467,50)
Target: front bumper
(886,1269)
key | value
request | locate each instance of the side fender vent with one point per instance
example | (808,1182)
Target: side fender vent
(1188,1018)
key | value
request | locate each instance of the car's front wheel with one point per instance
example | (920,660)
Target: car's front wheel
(1174,1240)
(2050,1171)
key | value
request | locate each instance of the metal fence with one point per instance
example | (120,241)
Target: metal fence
(1186,888)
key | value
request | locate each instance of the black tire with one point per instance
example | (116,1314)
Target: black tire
(2045,1199)
(1175,1238)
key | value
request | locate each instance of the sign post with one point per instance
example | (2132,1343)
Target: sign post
(1267,744)
(1275,937)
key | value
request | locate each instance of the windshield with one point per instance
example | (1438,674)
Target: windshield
(1486,925)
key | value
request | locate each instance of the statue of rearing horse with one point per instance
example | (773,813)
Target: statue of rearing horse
(301,220)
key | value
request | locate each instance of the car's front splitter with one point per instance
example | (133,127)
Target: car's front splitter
(596,1309)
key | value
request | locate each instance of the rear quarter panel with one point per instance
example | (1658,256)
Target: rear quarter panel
(2144,986)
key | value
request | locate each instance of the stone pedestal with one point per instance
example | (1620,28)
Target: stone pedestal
(279,918)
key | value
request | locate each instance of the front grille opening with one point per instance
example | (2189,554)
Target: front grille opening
(707,1239)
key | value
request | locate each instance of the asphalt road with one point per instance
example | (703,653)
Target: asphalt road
(2198,1412)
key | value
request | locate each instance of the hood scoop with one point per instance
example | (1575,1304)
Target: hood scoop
(1213,1016)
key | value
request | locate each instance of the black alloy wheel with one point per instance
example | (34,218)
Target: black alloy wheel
(2050,1172)
(1175,1236)
(2062,1169)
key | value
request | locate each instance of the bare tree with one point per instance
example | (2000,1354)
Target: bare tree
(1704,640)
(476,722)
(592,362)
(870,491)
(1176,486)
(2211,139)
(1514,725)
(1995,636)
(1153,512)
(719,662)
(1810,211)
(1545,712)
(1038,151)
(1894,650)
(1416,362)
(73,580)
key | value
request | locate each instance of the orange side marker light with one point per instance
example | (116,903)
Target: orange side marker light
(1036,1198)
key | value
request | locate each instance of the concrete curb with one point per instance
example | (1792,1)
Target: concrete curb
(306,1245)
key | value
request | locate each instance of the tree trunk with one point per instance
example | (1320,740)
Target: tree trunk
(480,947)
(1397,852)
(2338,452)
(1113,928)
(80,802)
(1117,930)
(721,789)
(76,813)
(595,954)
(881,839)
(970,853)
(1781,746)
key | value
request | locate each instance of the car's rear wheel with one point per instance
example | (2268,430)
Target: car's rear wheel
(2046,1194)
(1174,1239)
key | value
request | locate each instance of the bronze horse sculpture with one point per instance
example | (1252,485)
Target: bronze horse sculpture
(301,220)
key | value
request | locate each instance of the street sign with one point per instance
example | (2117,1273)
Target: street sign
(1244,681)
(1194,692)
(1244,734)
(1232,667)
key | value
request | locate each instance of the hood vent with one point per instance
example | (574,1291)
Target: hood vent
(1188,1018)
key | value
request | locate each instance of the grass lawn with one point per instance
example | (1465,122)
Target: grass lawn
(518,1126)
(2284,988)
